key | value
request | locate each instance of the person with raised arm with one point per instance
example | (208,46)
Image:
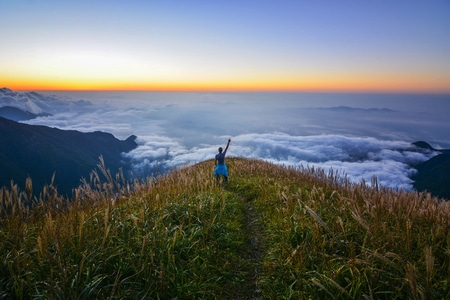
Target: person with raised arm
(220,167)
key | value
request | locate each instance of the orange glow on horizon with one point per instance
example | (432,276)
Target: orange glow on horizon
(342,84)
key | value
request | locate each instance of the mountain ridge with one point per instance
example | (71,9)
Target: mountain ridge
(39,151)
(353,109)
(15,114)
(433,175)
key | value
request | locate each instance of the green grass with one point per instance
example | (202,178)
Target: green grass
(271,233)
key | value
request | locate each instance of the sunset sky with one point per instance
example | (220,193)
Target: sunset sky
(386,46)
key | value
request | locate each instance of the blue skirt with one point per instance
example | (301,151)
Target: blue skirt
(221,170)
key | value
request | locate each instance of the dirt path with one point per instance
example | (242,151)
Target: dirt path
(254,252)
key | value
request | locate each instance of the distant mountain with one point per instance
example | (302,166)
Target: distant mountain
(29,105)
(349,109)
(433,175)
(40,151)
(16,114)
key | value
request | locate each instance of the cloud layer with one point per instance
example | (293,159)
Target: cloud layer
(37,103)
(358,137)
(354,157)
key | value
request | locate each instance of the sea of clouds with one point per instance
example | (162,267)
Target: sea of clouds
(359,136)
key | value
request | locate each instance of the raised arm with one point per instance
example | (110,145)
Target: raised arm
(228,144)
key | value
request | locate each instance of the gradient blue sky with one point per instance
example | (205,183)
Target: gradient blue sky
(226,45)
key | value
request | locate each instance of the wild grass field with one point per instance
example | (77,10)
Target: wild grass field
(272,232)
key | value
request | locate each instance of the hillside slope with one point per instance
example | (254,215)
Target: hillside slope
(434,176)
(39,152)
(271,232)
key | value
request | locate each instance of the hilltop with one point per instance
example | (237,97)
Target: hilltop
(271,232)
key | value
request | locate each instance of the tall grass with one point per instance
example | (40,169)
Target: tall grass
(180,235)
(333,239)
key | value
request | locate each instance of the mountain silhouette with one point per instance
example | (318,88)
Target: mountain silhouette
(424,145)
(433,175)
(16,114)
(39,152)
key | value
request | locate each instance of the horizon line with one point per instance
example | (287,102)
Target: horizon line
(238,90)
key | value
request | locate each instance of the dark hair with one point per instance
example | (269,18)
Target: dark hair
(220,149)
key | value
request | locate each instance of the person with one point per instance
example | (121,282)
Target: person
(220,167)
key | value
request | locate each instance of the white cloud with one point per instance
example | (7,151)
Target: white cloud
(175,129)
(355,157)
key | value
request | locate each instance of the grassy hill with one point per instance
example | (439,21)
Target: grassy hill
(271,233)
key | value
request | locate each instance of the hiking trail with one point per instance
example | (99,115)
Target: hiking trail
(254,251)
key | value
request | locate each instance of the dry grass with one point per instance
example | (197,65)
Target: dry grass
(181,235)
